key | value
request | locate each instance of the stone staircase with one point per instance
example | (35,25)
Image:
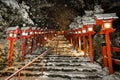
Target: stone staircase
(71,68)
(60,66)
(62,46)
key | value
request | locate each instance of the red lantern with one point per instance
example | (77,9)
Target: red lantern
(106,25)
(84,30)
(35,33)
(34,29)
(105,20)
(25,31)
(13,34)
(84,33)
(75,34)
(90,31)
(79,32)
(24,35)
(79,39)
(89,25)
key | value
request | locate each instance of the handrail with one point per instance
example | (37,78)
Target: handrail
(116,61)
(17,72)
(115,49)
(105,56)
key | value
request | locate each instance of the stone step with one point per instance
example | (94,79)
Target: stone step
(26,73)
(79,75)
(55,64)
(60,56)
(72,74)
(62,68)
(62,52)
(62,59)
(58,61)
(52,72)
(71,58)
(63,42)
(63,49)
(46,78)
(60,39)
(64,45)
(31,73)
(29,78)
(6,73)
(66,58)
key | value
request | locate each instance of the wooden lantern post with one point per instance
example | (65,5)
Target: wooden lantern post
(74,38)
(53,33)
(13,33)
(71,37)
(69,34)
(90,25)
(45,36)
(42,37)
(79,40)
(39,37)
(24,35)
(49,34)
(84,33)
(31,36)
(105,20)
(34,29)
(75,35)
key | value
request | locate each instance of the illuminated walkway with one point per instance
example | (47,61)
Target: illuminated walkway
(60,66)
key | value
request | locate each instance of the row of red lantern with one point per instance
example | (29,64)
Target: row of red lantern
(35,35)
(75,38)
(103,20)
(25,32)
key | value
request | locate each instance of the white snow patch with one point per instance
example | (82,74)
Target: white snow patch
(105,75)
(91,65)
(12,3)
(98,9)
(25,16)
(76,53)
(111,77)
(22,8)
(73,25)
(78,19)
(77,23)
(86,18)
(89,13)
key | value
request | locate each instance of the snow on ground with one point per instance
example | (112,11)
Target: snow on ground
(104,73)
(106,76)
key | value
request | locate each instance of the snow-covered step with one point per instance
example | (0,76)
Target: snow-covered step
(78,75)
